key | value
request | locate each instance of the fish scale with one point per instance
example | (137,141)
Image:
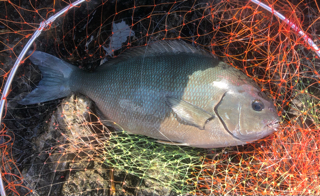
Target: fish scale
(170,91)
(146,94)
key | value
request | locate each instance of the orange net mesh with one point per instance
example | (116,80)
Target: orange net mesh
(49,150)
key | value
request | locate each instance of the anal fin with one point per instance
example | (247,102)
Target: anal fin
(172,143)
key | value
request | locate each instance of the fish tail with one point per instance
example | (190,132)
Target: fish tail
(55,79)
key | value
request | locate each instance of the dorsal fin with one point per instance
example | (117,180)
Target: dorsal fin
(158,48)
(165,46)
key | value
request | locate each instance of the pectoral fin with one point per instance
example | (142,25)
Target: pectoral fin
(172,143)
(188,113)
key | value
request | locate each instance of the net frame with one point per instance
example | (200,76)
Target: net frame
(293,26)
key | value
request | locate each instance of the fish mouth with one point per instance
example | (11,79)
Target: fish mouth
(273,125)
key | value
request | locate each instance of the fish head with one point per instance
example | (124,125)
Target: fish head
(247,113)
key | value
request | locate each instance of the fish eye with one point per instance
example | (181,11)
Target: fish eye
(257,105)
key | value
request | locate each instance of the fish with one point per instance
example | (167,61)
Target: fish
(171,91)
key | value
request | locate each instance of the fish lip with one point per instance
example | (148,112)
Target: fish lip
(274,125)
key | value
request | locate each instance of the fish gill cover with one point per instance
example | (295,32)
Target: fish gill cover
(61,147)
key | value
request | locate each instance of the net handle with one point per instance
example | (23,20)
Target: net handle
(293,26)
(43,25)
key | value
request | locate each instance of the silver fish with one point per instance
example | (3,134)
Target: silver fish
(168,90)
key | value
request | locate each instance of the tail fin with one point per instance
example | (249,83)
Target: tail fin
(55,79)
